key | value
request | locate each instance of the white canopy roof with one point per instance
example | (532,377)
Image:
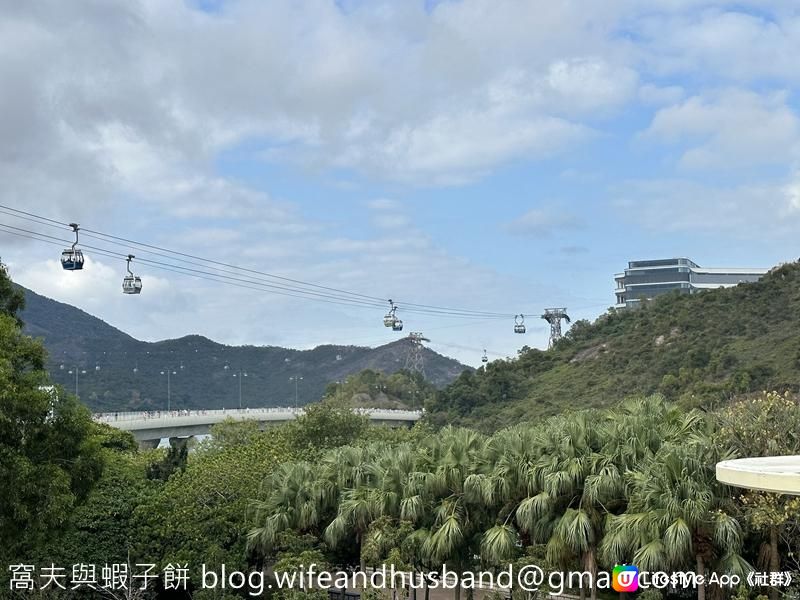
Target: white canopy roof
(780,474)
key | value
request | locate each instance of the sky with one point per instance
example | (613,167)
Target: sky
(491,155)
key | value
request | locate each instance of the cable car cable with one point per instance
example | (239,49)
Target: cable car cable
(434,309)
(239,282)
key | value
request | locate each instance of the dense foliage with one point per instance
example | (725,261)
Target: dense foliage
(374,389)
(49,448)
(584,490)
(698,350)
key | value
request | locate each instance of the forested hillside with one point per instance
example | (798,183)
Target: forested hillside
(123,373)
(695,349)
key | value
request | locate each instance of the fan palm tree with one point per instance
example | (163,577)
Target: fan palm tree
(380,482)
(297,499)
(573,473)
(678,515)
(457,507)
(357,510)
(557,510)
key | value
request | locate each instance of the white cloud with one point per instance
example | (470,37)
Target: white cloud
(144,94)
(730,129)
(736,44)
(654,95)
(791,193)
(747,211)
(544,221)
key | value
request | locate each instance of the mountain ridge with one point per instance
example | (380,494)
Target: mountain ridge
(123,373)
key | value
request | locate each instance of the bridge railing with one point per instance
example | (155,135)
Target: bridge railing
(244,413)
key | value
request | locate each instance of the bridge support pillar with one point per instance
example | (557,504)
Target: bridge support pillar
(148,444)
(177,442)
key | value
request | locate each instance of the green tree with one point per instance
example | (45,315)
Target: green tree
(49,455)
(324,426)
(296,500)
(173,461)
(102,530)
(458,516)
(12,300)
(376,483)
(767,425)
(200,515)
(679,516)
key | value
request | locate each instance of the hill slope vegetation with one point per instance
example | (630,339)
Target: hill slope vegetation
(75,338)
(699,350)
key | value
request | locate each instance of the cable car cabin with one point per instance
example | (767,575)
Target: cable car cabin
(397,325)
(519,328)
(388,320)
(72,260)
(132,284)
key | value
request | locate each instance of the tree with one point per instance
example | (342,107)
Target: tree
(323,426)
(562,511)
(102,530)
(458,516)
(679,515)
(49,453)
(12,300)
(561,480)
(296,499)
(173,461)
(376,483)
(201,515)
(768,425)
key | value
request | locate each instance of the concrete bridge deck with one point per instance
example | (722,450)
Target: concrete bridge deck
(150,427)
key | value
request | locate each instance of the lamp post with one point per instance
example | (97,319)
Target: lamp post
(296,379)
(169,373)
(77,372)
(241,375)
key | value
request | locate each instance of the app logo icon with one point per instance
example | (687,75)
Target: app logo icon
(625,578)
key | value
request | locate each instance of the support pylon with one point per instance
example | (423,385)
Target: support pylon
(554,316)
(415,361)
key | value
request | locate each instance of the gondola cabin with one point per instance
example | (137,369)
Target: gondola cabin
(132,284)
(72,260)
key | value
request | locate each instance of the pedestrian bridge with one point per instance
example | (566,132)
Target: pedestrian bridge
(150,427)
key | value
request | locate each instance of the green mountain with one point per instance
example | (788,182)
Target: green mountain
(699,350)
(122,373)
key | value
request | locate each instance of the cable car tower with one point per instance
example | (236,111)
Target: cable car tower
(415,361)
(554,316)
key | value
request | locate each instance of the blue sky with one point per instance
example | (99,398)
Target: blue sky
(501,156)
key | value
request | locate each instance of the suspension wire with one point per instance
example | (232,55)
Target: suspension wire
(229,279)
(162,267)
(39,217)
(173,268)
(407,307)
(167,253)
(374,301)
(154,250)
(382,301)
(471,349)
